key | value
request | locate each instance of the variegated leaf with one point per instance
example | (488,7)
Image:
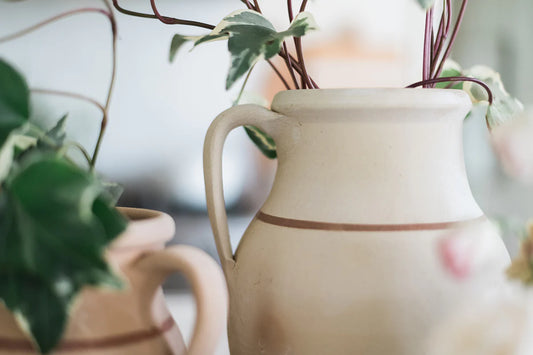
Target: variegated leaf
(263,141)
(251,37)
(451,68)
(504,107)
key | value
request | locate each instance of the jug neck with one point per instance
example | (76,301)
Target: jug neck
(372,156)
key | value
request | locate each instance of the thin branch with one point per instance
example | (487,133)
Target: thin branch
(455,79)
(39,25)
(165,19)
(304,5)
(452,39)
(132,13)
(289,8)
(248,5)
(70,95)
(105,116)
(257,8)
(447,11)
(289,66)
(297,66)
(81,148)
(427,46)
(279,75)
(244,85)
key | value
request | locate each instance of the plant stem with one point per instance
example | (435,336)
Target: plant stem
(289,8)
(257,8)
(427,46)
(303,6)
(105,108)
(132,13)
(165,19)
(69,94)
(452,39)
(105,116)
(306,81)
(289,66)
(39,25)
(444,29)
(83,151)
(297,66)
(279,74)
(175,21)
(244,86)
(455,79)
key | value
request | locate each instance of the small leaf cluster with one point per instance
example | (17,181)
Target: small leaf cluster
(505,107)
(56,218)
(251,38)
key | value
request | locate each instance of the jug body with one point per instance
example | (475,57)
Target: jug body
(342,257)
(135,320)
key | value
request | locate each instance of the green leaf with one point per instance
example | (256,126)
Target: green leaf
(504,107)
(15,142)
(55,222)
(113,190)
(14,100)
(263,141)
(251,37)
(177,42)
(37,306)
(426,4)
(451,68)
(249,43)
(56,136)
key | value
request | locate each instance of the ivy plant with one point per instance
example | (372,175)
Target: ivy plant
(56,216)
(251,37)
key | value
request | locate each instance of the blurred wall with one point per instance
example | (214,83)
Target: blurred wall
(499,34)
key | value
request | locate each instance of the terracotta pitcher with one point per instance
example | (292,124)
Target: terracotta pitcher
(341,258)
(135,321)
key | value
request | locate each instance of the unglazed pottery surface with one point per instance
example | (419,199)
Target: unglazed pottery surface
(341,258)
(135,321)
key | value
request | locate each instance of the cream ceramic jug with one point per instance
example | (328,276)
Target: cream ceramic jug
(135,321)
(341,258)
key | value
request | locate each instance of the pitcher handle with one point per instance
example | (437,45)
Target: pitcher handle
(228,120)
(207,283)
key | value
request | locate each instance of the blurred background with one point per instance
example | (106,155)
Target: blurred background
(161,111)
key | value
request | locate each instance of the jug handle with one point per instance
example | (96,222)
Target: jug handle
(208,286)
(228,120)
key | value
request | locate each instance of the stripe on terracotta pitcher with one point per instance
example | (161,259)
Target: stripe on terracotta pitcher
(17,345)
(348,227)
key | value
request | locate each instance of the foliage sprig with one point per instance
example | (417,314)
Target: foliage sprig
(56,218)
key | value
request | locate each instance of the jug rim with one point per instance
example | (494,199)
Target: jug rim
(289,101)
(145,227)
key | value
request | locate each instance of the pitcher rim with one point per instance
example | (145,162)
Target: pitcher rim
(365,98)
(145,227)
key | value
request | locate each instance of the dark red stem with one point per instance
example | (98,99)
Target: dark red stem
(452,39)
(444,30)
(289,7)
(279,75)
(427,46)
(289,67)
(454,79)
